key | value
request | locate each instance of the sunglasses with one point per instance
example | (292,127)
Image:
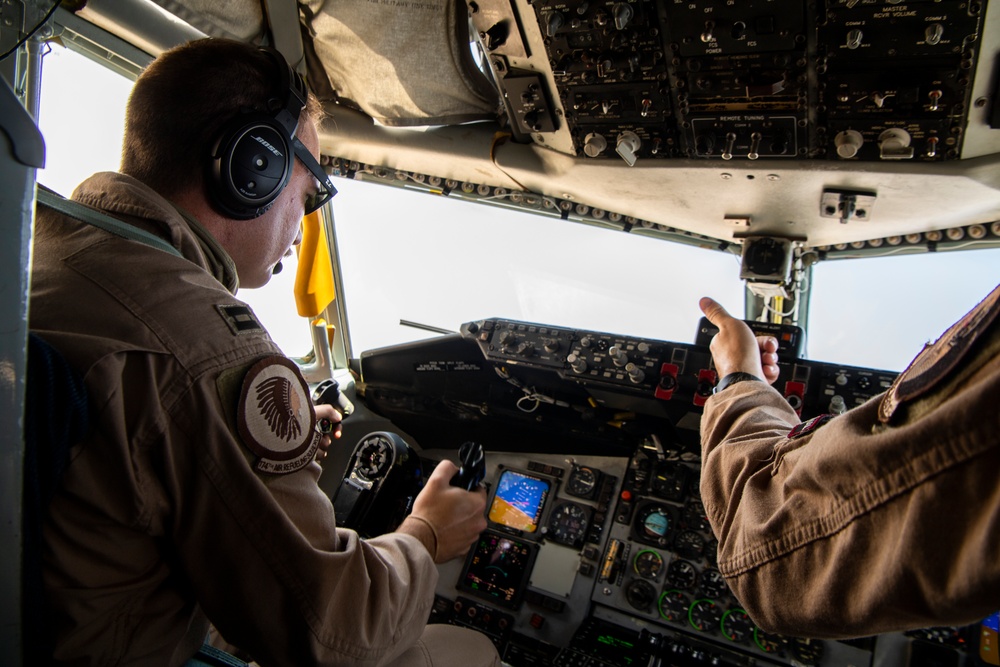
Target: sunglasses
(326,190)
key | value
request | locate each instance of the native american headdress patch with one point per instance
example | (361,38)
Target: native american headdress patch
(275,416)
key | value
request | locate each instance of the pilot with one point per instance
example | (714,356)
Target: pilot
(884,518)
(195,498)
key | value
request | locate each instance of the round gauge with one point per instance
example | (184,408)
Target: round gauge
(807,651)
(374,458)
(582,482)
(648,564)
(641,595)
(704,615)
(689,544)
(653,523)
(682,574)
(713,585)
(736,625)
(694,517)
(568,524)
(673,605)
(766,642)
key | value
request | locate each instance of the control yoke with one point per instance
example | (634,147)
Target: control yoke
(473,466)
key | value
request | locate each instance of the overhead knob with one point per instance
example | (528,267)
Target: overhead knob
(618,355)
(933,34)
(578,364)
(838,405)
(628,145)
(594,144)
(554,21)
(623,14)
(551,345)
(848,143)
(526,349)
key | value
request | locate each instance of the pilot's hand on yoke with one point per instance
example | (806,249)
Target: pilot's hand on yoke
(452,516)
(327,423)
(736,349)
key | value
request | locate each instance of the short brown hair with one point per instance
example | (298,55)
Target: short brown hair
(181,102)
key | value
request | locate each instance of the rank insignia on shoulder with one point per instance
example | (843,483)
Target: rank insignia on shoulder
(240,319)
(275,416)
(808,426)
(942,360)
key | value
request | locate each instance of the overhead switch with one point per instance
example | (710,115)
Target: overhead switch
(628,145)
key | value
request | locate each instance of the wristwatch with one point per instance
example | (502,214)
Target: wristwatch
(733,378)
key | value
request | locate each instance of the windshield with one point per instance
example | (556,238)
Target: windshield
(441,262)
(879,312)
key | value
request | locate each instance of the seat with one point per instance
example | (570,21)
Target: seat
(56,416)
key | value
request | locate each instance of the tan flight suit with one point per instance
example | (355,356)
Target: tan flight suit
(885,518)
(164,520)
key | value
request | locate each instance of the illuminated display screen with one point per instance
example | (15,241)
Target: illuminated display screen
(497,569)
(519,501)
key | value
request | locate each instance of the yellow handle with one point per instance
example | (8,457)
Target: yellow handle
(314,288)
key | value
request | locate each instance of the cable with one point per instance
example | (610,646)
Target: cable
(24,39)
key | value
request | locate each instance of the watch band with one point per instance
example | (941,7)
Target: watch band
(733,378)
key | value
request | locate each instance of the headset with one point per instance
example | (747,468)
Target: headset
(253,157)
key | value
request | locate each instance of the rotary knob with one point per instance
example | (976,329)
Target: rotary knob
(594,144)
(848,143)
(635,374)
(618,356)
(578,364)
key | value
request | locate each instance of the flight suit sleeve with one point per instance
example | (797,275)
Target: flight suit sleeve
(269,567)
(857,527)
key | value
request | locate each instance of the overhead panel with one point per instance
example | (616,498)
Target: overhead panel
(844,80)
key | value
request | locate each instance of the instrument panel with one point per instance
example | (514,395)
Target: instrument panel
(757,79)
(598,551)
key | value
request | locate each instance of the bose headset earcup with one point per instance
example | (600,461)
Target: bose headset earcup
(252,159)
(251,165)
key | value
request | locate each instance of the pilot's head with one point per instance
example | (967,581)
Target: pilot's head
(227,131)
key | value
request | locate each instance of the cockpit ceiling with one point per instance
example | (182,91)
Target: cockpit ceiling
(830,123)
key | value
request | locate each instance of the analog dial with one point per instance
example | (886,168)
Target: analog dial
(694,517)
(568,524)
(673,605)
(704,615)
(689,544)
(653,524)
(582,482)
(766,642)
(713,585)
(648,564)
(737,626)
(682,574)
(641,595)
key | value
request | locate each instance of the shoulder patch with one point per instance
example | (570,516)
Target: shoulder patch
(937,362)
(240,319)
(275,416)
(808,426)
